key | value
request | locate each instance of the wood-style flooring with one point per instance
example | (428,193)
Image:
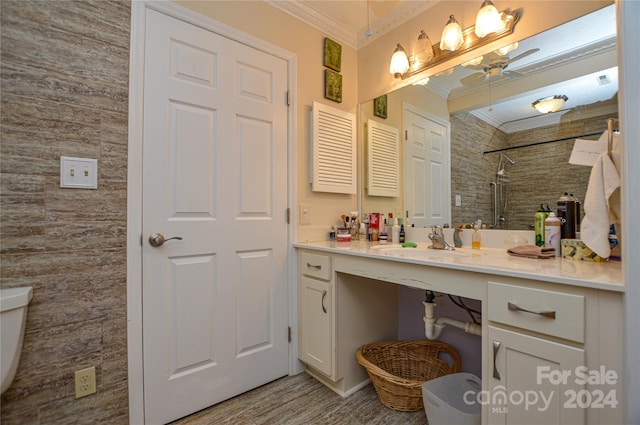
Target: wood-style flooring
(302,400)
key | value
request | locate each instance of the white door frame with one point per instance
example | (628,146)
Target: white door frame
(134,183)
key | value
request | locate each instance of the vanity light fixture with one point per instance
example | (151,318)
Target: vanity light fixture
(550,104)
(454,43)
(488,19)
(452,38)
(399,62)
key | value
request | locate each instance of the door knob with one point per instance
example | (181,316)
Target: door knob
(157,239)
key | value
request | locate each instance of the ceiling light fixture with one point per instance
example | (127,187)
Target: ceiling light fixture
(550,104)
(488,20)
(399,62)
(454,43)
(452,38)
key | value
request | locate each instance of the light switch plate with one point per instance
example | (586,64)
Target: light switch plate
(458,200)
(304,214)
(78,173)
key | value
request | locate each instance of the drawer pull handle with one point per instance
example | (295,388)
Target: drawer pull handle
(515,307)
(324,294)
(496,347)
(314,266)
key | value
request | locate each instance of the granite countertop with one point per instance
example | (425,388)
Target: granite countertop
(597,275)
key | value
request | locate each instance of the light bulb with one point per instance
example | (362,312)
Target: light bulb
(452,37)
(424,51)
(488,20)
(399,61)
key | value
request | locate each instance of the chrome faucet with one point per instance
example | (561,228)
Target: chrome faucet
(437,239)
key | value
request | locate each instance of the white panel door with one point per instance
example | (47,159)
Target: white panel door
(427,162)
(215,174)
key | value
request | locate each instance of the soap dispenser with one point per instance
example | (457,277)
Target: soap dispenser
(475,238)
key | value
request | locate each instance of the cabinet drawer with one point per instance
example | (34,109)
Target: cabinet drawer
(315,265)
(548,312)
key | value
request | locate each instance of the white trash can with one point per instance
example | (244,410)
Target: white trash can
(452,399)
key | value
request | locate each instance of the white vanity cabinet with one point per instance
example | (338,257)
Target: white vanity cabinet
(337,313)
(315,297)
(551,330)
(539,338)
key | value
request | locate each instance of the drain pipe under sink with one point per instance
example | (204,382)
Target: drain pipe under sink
(433,327)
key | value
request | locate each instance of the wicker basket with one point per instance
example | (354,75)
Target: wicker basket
(399,368)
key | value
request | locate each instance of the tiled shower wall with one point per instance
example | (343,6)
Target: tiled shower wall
(64,87)
(541,173)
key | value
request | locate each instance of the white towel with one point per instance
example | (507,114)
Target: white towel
(601,205)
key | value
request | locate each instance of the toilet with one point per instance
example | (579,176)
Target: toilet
(13,316)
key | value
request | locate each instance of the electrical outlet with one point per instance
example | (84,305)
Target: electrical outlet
(85,381)
(304,214)
(458,200)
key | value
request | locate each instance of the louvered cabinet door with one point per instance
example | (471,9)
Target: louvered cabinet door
(383,159)
(333,135)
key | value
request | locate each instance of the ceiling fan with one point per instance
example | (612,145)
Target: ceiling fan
(493,69)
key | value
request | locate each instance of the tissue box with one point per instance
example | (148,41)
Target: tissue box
(575,249)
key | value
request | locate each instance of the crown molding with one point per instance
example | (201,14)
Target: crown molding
(405,11)
(310,16)
(584,52)
(597,109)
(354,39)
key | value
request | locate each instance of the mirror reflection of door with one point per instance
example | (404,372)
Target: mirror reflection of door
(427,182)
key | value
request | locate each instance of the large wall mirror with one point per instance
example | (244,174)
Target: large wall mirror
(506,158)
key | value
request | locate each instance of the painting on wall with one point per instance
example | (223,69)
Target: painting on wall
(332,85)
(332,54)
(380,106)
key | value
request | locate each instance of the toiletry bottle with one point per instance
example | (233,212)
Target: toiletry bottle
(539,218)
(374,226)
(475,238)
(362,232)
(552,232)
(566,208)
(395,232)
(401,234)
(355,228)
(365,219)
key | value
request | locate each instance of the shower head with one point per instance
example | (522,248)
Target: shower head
(508,160)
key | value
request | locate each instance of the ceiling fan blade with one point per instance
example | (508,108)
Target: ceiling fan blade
(521,55)
(473,79)
(512,74)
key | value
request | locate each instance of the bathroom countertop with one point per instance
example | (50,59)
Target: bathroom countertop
(597,275)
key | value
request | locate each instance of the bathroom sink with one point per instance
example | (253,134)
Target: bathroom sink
(420,252)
